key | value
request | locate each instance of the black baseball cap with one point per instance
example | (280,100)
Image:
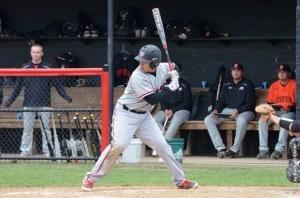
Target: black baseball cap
(238,66)
(284,68)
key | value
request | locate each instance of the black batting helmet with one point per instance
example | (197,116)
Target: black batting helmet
(149,54)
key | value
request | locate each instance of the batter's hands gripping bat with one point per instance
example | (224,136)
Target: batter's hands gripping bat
(56,142)
(161,34)
(47,139)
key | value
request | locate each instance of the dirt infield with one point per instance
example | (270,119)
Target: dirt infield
(153,192)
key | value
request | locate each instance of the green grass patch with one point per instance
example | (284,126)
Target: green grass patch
(64,174)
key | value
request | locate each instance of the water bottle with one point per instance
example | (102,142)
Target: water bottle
(19,116)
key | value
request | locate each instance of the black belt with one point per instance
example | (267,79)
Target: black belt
(133,111)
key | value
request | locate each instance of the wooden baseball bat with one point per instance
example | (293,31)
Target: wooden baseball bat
(64,145)
(96,137)
(88,139)
(72,141)
(56,142)
(154,154)
(78,126)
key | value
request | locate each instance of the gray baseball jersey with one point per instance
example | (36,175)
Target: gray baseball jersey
(143,84)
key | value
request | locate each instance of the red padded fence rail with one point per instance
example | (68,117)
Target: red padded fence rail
(75,72)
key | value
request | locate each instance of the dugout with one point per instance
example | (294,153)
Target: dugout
(262,34)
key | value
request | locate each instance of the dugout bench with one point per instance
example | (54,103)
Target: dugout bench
(192,126)
(9,119)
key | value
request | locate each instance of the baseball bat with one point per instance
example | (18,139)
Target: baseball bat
(219,86)
(47,139)
(90,140)
(166,120)
(161,34)
(154,154)
(56,142)
(78,126)
(64,141)
(72,141)
(96,135)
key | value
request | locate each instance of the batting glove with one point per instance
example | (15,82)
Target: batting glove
(173,85)
(174,75)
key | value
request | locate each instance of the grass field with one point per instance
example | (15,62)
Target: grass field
(49,174)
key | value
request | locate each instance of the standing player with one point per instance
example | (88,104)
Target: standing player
(132,117)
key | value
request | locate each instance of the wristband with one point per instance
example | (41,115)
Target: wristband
(285,123)
(295,126)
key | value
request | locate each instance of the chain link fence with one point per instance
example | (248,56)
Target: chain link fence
(50,118)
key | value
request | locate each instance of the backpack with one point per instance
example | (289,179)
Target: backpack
(66,60)
(124,65)
(71,28)
(204,102)
(202,105)
(125,22)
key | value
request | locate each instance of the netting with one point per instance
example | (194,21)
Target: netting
(53,114)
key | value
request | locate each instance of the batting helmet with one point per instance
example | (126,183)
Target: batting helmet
(149,54)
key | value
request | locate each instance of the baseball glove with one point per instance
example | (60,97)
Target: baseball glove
(265,110)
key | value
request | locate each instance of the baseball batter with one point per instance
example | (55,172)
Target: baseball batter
(132,117)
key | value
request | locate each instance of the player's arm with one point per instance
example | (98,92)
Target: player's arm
(16,92)
(288,124)
(60,89)
(157,97)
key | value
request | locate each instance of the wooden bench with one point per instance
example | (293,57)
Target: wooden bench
(90,98)
(227,126)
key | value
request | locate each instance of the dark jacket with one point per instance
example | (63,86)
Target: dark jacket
(37,89)
(240,96)
(179,99)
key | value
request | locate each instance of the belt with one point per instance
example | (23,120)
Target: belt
(133,111)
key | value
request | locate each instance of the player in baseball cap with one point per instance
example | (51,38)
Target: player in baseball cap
(238,66)
(284,68)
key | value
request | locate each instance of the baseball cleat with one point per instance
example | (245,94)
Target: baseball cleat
(87,185)
(276,155)
(154,154)
(24,154)
(186,184)
(263,154)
